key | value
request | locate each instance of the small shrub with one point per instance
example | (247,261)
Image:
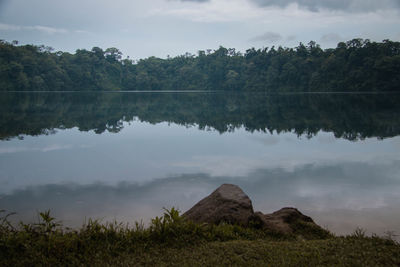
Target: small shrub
(310,231)
(391,236)
(359,233)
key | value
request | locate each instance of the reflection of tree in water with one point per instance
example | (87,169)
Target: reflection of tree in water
(348,116)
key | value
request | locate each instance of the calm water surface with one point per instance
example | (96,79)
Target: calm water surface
(125,156)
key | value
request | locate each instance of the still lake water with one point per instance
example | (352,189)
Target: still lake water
(125,156)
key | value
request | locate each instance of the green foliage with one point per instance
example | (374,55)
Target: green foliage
(172,240)
(309,231)
(170,227)
(357,65)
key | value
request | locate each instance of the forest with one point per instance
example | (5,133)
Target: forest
(353,66)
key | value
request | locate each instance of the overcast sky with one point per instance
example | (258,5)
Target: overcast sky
(142,28)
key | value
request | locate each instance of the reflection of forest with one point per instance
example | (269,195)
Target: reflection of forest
(348,116)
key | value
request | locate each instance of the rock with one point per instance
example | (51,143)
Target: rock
(228,203)
(283,220)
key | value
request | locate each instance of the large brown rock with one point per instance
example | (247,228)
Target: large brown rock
(228,203)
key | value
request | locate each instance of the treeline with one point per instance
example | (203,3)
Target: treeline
(348,116)
(357,65)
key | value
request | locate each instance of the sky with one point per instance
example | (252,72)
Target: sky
(161,28)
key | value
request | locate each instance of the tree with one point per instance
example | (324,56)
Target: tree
(112,54)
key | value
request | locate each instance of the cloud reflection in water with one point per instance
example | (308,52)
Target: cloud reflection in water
(341,196)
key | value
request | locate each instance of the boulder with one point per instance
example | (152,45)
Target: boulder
(228,203)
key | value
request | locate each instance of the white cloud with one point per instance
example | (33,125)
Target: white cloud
(40,28)
(214,11)
(55,147)
(45,29)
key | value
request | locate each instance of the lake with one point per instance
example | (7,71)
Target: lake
(125,156)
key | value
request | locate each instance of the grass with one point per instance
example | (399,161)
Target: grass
(172,240)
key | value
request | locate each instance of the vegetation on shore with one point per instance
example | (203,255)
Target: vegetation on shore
(356,65)
(172,240)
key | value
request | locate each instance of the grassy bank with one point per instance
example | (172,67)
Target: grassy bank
(171,240)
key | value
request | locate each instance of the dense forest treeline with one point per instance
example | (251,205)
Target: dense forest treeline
(349,116)
(356,65)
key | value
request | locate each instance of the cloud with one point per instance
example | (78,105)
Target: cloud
(270,37)
(45,29)
(334,5)
(55,147)
(331,38)
(49,148)
(316,5)
(221,165)
(9,27)
(348,190)
(291,38)
(199,1)
(267,140)
(81,31)
(40,28)
(213,11)
(8,150)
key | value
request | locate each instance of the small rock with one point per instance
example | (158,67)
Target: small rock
(282,220)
